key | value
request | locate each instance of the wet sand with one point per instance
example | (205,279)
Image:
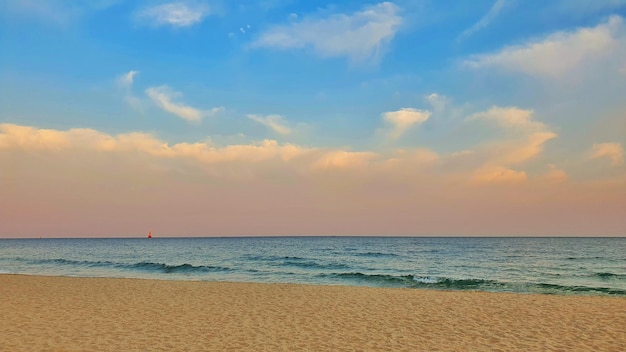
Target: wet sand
(94,314)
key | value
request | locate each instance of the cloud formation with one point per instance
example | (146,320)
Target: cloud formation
(512,119)
(274,122)
(612,151)
(17,137)
(28,138)
(438,102)
(125,82)
(127,78)
(485,20)
(53,169)
(175,14)
(164,96)
(523,140)
(404,119)
(557,54)
(361,36)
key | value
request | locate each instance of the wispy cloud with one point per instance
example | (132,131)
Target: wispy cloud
(485,20)
(361,36)
(164,96)
(127,78)
(511,118)
(612,151)
(558,53)
(404,119)
(524,136)
(438,102)
(175,14)
(125,82)
(523,139)
(275,122)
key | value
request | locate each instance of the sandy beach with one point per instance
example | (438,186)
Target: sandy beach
(96,314)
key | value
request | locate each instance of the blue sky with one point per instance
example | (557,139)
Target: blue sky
(504,91)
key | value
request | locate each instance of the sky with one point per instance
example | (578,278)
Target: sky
(287,117)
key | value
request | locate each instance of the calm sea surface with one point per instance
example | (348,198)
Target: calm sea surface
(592,266)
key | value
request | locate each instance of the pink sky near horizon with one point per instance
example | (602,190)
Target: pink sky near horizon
(83,183)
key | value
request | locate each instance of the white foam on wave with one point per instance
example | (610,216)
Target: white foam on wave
(426,279)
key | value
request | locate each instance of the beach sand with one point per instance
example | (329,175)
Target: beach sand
(93,314)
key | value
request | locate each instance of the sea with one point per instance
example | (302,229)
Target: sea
(562,266)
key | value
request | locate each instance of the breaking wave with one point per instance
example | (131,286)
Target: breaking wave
(143,266)
(445,283)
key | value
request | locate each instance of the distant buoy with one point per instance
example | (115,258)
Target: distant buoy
(150,234)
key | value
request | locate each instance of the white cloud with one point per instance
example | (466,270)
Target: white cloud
(125,81)
(438,102)
(511,118)
(523,139)
(613,151)
(557,54)
(175,14)
(403,119)
(164,97)
(127,78)
(361,36)
(485,20)
(274,122)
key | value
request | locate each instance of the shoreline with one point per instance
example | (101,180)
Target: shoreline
(583,291)
(77,313)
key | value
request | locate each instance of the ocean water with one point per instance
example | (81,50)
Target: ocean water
(591,266)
